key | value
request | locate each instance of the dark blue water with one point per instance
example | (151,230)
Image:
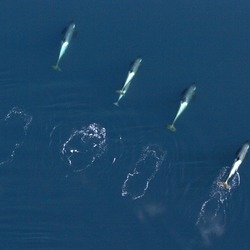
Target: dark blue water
(77,172)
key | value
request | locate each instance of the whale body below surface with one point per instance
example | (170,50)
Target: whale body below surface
(68,34)
(237,162)
(131,74)
(185,100)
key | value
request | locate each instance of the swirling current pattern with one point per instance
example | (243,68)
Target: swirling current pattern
(84,146)
(14,128)
(137,182)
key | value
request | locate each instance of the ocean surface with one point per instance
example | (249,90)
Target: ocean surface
(77,172)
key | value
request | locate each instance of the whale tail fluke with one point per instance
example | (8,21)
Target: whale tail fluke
(116,104)
(171,127)
(224,184)
(56,68)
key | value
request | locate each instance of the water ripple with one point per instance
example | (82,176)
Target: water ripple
(213,213)
(84,146)
(13,128)
(137,182)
